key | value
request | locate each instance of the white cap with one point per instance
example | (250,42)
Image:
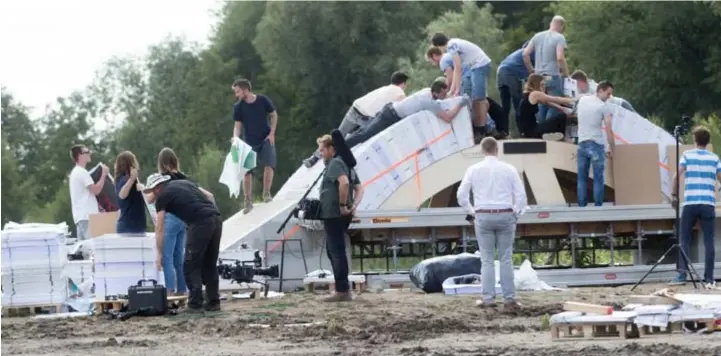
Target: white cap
(154,180)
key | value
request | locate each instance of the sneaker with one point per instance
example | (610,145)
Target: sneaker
(502,135)
(247,206)
(311,161)
(555,136)
(678,281)
(485,304)
(338,297)
(511,304)
(710,285)
(267,198)
(192,310)
(212,307)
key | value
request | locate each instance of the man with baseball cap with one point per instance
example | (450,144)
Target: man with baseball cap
(197,209)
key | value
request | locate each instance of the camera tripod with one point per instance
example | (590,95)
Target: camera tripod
(678,131)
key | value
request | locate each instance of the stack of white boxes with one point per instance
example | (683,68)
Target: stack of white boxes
(122,261)
(33,258)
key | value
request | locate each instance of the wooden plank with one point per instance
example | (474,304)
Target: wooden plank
(588,308)
(653,300)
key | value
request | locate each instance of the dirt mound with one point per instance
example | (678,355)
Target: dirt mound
(632,349)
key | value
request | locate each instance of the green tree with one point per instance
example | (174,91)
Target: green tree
(659,59)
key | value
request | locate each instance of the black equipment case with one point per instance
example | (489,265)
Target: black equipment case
(148,300)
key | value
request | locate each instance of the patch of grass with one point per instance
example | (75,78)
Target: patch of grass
(278,305)
(546,322)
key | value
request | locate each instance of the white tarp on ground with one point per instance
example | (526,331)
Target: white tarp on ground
(525,278)
(33,257)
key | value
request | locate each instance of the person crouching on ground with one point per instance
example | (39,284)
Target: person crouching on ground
(185,200)
(130,195)
(340,194)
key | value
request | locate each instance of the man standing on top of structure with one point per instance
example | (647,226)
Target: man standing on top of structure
(593,114)
(255,123)
(468,54)
(83,190)
(366,107)
(340,194)
(445,62)
(510,75)
(499,198)
(700,169)
(424,99)
(587,88)
(549,47)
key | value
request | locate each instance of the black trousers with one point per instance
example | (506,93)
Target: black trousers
(495,111)
(335,231)
(202,248)
(383,120)
(552,125)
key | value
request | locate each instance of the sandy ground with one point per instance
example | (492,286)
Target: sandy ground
(391,323)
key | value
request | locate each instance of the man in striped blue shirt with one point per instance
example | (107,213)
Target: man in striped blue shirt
(700,168)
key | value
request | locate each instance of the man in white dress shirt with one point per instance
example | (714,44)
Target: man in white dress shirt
(499,197)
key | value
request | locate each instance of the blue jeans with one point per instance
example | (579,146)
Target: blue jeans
(479,77)
(466,86)
(554,87)
(591,154)
(173,248)
(689,215)
(496,232)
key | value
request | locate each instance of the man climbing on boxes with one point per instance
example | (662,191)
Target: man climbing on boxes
(196,208)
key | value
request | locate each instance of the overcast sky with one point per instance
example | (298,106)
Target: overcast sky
(50,48)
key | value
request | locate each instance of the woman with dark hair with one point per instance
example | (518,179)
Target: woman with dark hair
(130,196)
(553,129)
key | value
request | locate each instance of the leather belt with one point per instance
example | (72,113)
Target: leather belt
(494,211)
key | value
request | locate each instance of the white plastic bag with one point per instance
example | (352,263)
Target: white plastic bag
(238,162)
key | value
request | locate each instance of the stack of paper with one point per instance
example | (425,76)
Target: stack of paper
(122,261)
(33,257)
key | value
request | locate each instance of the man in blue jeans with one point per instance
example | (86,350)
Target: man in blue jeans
(549,52)
(700,169)
(467,54)
(509,79)
(593,112)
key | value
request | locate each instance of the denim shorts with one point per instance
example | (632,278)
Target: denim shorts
(479,77)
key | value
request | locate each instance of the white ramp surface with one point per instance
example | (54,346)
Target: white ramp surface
(385,162)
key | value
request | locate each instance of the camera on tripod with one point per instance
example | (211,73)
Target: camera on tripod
(245,271)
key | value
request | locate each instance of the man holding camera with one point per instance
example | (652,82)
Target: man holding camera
(340,193)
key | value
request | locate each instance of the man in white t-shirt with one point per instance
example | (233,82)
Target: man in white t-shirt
(467,54)
(83,190)
(594,114)
(366,107)
(588,87)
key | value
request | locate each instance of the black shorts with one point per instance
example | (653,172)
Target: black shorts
(265,156)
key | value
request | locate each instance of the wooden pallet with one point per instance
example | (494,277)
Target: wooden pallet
(256,292)
(678,326)
(312,287)
(594,331)
(118,304)
(26,310)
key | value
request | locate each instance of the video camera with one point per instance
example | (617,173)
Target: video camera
(245,271)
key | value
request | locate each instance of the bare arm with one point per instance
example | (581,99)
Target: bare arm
(343,186)
(449,78)
(448,116)
(527,57)
(237,129)
(609,132)
(561,59)
(358,195)
(538,97)
(208,195)
(125,190)
(457,67)
(159,230)
(273,122)
(98,187)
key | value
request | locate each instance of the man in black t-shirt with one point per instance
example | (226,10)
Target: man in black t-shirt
(197,209)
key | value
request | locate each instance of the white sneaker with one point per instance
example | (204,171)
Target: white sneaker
(711,285)
(555,136)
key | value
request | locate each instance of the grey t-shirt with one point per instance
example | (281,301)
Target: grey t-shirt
(591,111)
(545,44)
(419,101)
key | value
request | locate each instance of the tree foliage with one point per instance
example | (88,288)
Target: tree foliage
(313,59)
